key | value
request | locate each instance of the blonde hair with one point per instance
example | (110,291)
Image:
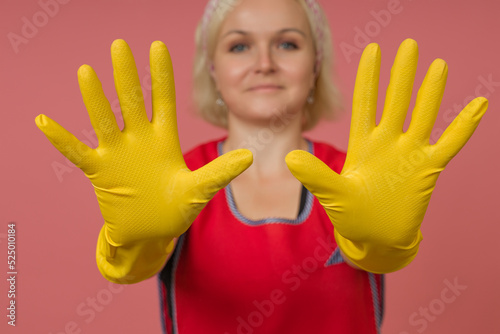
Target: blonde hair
(327,101)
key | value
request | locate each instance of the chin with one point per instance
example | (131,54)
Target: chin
(278,114)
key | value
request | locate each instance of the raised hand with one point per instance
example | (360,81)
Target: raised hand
(378,201)
(146,193)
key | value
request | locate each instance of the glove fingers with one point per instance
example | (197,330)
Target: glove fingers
(100,113)
(459,131)
(73,149)
(128,87)
(428,101)
(398,96)
(364,103)
(315,175)
(219,172)
(163,97)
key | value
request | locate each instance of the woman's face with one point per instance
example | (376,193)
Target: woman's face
(264,59)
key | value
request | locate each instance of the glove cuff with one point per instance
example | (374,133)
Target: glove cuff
(131,263)
(379,258)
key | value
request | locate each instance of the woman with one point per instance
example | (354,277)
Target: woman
(250,257)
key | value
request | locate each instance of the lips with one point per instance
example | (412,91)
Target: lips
(266,87)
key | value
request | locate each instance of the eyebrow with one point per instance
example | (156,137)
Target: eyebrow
(242,32)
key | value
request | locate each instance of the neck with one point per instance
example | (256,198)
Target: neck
(269,143)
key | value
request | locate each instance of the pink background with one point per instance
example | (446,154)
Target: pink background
(58,219)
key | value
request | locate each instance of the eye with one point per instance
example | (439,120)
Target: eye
(237,48)
(289,45)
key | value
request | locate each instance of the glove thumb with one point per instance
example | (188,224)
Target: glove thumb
(65,142)
(315,175)
(219,172)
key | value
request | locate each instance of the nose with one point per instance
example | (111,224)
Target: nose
(265,62)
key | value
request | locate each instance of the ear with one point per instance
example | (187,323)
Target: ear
(315,74)
(211,69)
(314,78)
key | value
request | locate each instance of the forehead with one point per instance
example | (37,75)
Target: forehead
(262,16)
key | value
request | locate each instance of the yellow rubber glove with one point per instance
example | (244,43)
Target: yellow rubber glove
(378,201)
(146,194)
